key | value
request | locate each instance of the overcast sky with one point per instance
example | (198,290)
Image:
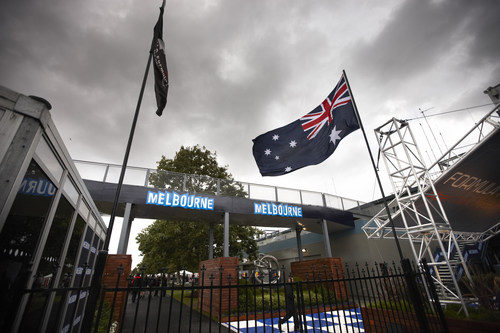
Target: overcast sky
(241,68)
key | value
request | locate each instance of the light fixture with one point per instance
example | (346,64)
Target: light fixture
(304,250)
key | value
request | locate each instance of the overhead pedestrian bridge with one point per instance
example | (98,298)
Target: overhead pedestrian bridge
(158,194)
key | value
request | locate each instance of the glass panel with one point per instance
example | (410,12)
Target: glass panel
(133,176)
(69,261)
(48,266)
(20,235)
(262,192)
(168,180)
(83,257)
(92,222)
(80,272)
(333,201)
(233,188)
(48,158)
(288,195)
(312,198)
(70,191)
(84,210)
(91,171)
(93,252)
(67,273)
(349,204)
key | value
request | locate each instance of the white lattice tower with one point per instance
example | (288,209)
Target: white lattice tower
(425,225)
(378,226)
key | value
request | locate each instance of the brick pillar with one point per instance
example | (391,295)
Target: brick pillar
(220,301)
(109,279)
(317,268)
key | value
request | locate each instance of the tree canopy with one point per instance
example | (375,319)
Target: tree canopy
(176,245)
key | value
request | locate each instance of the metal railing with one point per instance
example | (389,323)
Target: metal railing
(485,127)
(106,172)
(339,298)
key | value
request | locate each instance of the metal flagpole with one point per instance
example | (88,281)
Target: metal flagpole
(100,262)
(127,151)
(374,168)
(405,263)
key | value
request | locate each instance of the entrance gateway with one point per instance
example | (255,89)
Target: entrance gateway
(324,296)
(218,204)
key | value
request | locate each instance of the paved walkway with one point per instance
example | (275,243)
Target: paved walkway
(179,322)
(335,321)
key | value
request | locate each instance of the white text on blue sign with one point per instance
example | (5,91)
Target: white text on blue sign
(268,208)
(38,186)
(172,199)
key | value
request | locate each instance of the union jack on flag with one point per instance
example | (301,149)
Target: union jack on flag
(314,121)
(291,147)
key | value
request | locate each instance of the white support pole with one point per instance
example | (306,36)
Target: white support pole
(226,234)
(125,232)
(211,242)
(326,239)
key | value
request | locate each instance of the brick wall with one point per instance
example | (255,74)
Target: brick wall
(316,269)
(225,298)
(110,277)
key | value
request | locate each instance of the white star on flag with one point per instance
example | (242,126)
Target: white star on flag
(334,136)
(288,169)
(276,157)
(293,143)
(276,137)
(267,151)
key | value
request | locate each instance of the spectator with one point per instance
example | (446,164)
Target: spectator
(136,285)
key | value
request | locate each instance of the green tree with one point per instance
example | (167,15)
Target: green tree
(204,175)
(180,244)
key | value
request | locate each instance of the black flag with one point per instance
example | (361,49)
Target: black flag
(160,65)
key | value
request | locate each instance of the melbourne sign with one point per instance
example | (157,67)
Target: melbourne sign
(173,199)
(269,208)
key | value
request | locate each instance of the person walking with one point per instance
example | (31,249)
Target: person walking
(136,285)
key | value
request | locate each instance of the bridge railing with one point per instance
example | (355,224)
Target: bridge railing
(182,182)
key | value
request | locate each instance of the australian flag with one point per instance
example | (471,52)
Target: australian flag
(309,140)
(160,64)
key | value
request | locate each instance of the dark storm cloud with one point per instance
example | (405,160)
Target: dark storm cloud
(79,58)
(422,33)
(237,68)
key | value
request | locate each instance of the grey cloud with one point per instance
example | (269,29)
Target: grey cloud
(87,58)
(420,33)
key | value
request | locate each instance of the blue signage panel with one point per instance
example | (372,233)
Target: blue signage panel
(269,208)
(39,186)
(173,199)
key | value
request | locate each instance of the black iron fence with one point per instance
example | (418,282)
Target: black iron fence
(350,298)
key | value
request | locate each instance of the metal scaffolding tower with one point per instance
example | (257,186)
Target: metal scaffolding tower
(416,206)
